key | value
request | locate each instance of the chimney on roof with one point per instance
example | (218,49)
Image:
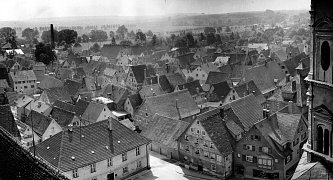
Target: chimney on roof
(110,124)
(178,112)
(290,107)
(70,128)
(39,104)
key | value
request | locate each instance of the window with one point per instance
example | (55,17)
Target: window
(198,131)
(249,158)
(187,148)
(198,122)
(276,160)
(211,145)
(109,162)
(138,164)
(197,141)
(218,158)
(205,154)
(213,167)
(137,151)
(203,75)
(75,173)
(325,55)
(186,137)
(265,163)
(197,151)
(192,130)
(146,114)
(203,133)
(124,156)
(32,86)
(93,168)
(205,144)
(212,156)
(197,75)
(288,159)
(125,170)
(25,87)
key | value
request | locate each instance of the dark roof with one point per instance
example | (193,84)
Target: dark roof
(216,77)
(93,111)
(7,121)
(139,72)
(235,58)
(64,105)
(292,63)
(221,89)
(164,83)
(186,59)
(248,88)
(164,130)
(50,82)
(135,100)
(213,124)
(72,87)
(193,87)
(40,122)
(58,93)
(60,148)
(80,107)
(175,79)
(62,116)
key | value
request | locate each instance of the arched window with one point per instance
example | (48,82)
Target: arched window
(319,139)
(326,142)
(325,55)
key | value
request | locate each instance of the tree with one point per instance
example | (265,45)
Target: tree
(180,42)
(68,36)
(190,39)
(111,34)
(29,34)
(46,36)
(172,37)
(227,29)
(202,37)
(140,36)
(131,34)
(210,38)
(44,53)
(79,39)
(113,41)
(121,31)
(218,39)
(149,33)
(125,43)
(154,40)
(85,38)
(98,35)
(95,48)
(8,35)
(35,41)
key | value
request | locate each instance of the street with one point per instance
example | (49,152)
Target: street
(163,168)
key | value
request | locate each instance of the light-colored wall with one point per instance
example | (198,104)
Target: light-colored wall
(128,107)
(102,170)
(53,129)
(105,114)
(29,90)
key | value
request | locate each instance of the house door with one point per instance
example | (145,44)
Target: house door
(110,176)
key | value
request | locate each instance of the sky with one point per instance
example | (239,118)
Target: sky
(24,9)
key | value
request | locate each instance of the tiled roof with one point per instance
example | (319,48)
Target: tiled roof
(216,77)
(186,59)
(151,90)
(193,87)
(7,120)
(217,132)
(248,88)
(39,75)
(39,106)
(209,67)
(12,97)
(263,75)
(232,122)
(93,111)
(139,72)
(80,107)
(85,145)
(50,82)
(135,100)
(175,79)
(164,83)
(40,122)
(164,130)
(72,87)
(248,110)
(292,63)
(23,100)
(64,73)
(110,52)
(63,105)
(288,124)
(280,55)
(23,75)
(221,89)
(186,105)
(235,58)
(62,116)
(58,93)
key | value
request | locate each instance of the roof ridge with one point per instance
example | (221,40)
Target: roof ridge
(60,151)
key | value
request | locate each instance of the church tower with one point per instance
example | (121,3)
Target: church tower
(320,79)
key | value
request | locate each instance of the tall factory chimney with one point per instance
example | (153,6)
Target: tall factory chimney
(52,36)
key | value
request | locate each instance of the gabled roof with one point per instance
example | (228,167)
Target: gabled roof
(62,116)
(208,67)
(110,51)
(232,122)
(23,101)
(175,79)
(80,107)
(248,110)
(186,105)
(64,73)
(186,59)
(248,88)
(164,130)
(193,87)
(280,55)
(292,63)
(23,75)
(139,72)
(135,100)
(7,121)
(216,77)
(39,106)
(63,105)
(114,92)
(72,87)
(93,111)
(213,124)
(151,90)
(264,75)
(58,93)
(70,150)
(50,82)
(221,89)
(40,122)
(164,83)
